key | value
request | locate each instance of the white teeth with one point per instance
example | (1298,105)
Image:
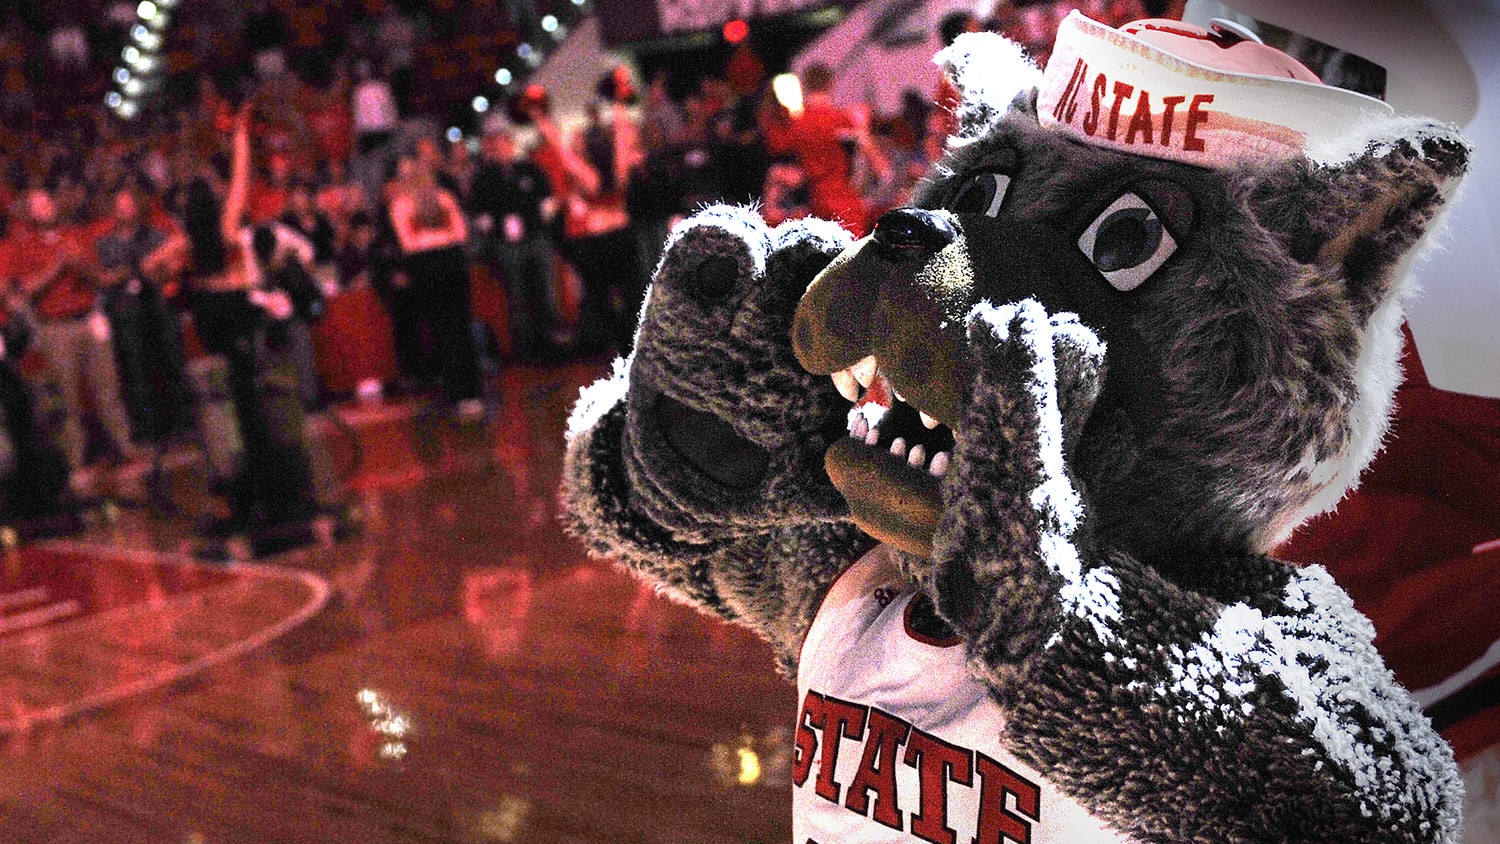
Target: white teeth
(939,465)
(917,457)
(927,421)
(864,371)
(897,393)
(844,381)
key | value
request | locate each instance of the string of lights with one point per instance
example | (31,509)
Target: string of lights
(140,68)
(539,36)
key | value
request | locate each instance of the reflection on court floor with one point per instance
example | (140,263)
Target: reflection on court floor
(81,627)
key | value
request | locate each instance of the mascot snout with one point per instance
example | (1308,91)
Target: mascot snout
(887,319)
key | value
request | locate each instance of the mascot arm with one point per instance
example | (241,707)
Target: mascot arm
(770,581)
(697,463)
(1281,721)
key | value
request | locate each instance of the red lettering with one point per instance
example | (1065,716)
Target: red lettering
(1195,116)
(1073,95)
(936,762)
(1169,105)
(1062,102)
(841,720)
(807,737)
(997,824)
(1122,91)
(1091,117)
(1140,122)
(877,770)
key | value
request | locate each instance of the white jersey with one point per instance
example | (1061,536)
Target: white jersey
(896,742)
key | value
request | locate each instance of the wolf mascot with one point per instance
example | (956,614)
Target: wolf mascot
(1140,322)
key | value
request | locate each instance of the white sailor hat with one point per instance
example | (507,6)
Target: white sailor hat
(1167,89)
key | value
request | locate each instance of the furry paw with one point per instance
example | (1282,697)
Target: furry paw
(1003,545)
(725,431)
(1054,360)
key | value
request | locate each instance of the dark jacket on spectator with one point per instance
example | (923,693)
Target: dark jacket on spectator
(515,188)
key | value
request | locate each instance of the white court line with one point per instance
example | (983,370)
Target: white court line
(1468,674)
(316,584)
(25,719)
(22,597)
(122,614)
(39,616)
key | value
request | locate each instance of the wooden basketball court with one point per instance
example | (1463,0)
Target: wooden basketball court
(458,672)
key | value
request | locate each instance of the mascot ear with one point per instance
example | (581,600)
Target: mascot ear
(989,72)
(1356,219)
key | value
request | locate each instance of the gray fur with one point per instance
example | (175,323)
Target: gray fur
(1092,686)
(761,556)
(1152,661)
(1255,348)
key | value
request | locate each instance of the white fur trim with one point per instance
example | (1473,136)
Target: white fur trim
(1378,133)
(989,71)
(1093,596)
(1323,655)
(740,221)
(1377,374)
(596,399)
(827,234)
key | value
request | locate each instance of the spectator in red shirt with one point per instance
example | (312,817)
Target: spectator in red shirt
(331,123)
(589,175)
(268,198)
(817,136)
(53,270)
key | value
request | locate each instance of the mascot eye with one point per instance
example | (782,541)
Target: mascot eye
(1127,242)
(714,280)
(981,194)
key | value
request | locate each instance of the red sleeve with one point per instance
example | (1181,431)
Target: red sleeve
(946,119)
(843,120)
(778,136)
(550,160)
(401,208)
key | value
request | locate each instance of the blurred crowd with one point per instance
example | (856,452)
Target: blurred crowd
(349,186)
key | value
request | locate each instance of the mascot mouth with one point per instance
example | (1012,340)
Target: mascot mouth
(709,445)
(890,466)
(891,312)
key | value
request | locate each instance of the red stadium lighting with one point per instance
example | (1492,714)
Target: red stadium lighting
(736,31)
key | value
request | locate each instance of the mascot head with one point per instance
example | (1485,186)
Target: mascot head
(1237,233)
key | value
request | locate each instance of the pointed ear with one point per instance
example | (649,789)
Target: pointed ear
(989,72)
(1358,218)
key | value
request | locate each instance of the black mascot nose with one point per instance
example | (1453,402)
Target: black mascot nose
(912,232)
